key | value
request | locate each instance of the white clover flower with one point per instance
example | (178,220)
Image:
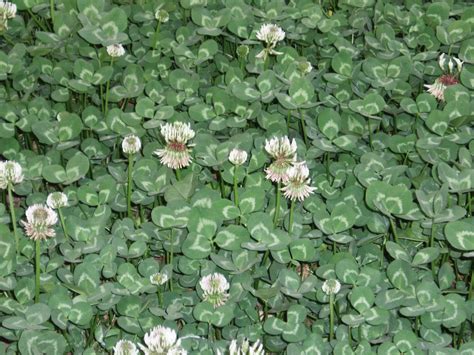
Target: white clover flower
(162,15)
(331,287)
(159,279)
(56,200)
(10,173)
(459,64)
(176,154)
(305,67)
(284,153)
(162,340)
(125,347)
(442,60)
(7,10)
(39,220)
(245,348)
(297,186)
(215,287)
(131,144)
(115,50)
(237,156)
(270,34)
(437,89)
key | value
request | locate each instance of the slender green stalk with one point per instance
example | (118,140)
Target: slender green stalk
(63,225)
(51,9)
(37,270)
(107,88)
(394,230)
(13,217)
(40,24)
(370,134)
(129,186)
(303,128)
(171,258)
(432,237)
(290,224)
(221,185)
(155,36)
(236,193)
(178,174)
(277,205)
(160,297)
(331,317)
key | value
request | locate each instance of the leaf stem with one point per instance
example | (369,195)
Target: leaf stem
(394,230)
(13,218)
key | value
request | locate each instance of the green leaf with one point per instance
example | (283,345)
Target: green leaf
(460,235)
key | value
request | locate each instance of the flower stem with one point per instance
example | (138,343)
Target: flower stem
(63,225)
(277,205)
(156,34)
(13,218)
(160,297)
(178,174)
(107,88)
(37,270)
(303,128)
(171,259)
(331,317)
(129,186)
(290,224)
(51,9)
(394,230)
(236,193)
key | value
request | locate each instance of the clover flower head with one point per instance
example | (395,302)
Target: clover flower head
(39,222)
(305,67)
(284,153)
(439,86)
(56,200)
(125,347)
(448,65)
(131,144)
(162,340)
(237,156)
(162,15)
(7,10)
(159,279)
(243,51)
(115,50)
(270,34)
(10,173)
(297,187)
(215,287)
(331,287)
(245,348)
(176,154)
